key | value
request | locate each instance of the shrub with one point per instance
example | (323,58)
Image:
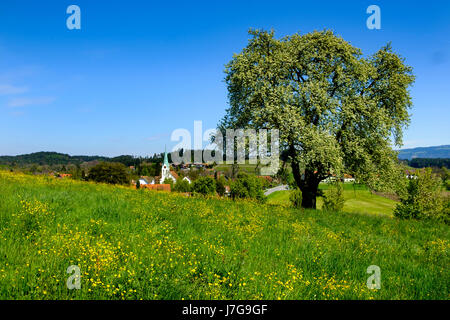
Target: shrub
(220,186)
(446,178)
(423,199)
(247,186)
(168,181)
(182,186)
(296,198)
(108,172)
(446,213)
(265,184)
(204,185)
(333,199)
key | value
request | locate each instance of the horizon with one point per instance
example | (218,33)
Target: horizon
(134,73)
(162,152)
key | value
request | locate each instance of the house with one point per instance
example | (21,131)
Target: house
(148,179)
(187,179)
(329,179)
(410,174)
(348,178)
(143,181)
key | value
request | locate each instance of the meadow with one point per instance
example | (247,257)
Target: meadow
(142,244)
(358,199)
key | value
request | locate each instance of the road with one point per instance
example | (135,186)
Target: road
(277,188)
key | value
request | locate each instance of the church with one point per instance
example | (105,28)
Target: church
(165,171)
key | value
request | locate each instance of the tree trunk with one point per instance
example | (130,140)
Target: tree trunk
(308,184)
(309,196)
(296,173)
(309,189)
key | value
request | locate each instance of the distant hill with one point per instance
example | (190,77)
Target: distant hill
(55,158)
(425,152)
(47,158)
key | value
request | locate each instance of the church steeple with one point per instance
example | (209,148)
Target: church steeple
(165,169)
(166,159)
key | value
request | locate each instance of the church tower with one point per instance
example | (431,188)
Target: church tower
(165,169)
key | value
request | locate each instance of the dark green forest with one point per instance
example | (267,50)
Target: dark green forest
(428,162)
(55,158)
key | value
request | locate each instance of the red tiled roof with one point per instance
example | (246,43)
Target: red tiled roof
(158,187)
(174,174)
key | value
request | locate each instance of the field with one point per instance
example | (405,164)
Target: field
(141,244)
(358,199)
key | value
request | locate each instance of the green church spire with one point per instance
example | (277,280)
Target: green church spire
(166,160)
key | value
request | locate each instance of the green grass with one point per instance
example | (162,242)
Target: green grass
(139,244)
(358,199)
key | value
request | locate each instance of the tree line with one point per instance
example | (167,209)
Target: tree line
(55,158)
(428,162)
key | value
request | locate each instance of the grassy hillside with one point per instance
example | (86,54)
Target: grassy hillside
(358,199)
(133,244)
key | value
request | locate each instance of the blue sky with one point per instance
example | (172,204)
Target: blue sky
(137,70)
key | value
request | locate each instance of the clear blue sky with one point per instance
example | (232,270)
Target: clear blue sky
(137,70)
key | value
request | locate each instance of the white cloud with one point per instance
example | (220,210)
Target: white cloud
(6,89)
(22,102)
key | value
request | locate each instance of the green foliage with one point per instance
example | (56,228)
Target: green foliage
(247,187)
(446,178)
(193,174)
(108,172)
(53,161)
(295,198)
(333,198)
(149,169)
(182,186)
(334,107)
(285,176)
(204,186)
(138,184)
(220,186)
(424,199)
(168,181)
